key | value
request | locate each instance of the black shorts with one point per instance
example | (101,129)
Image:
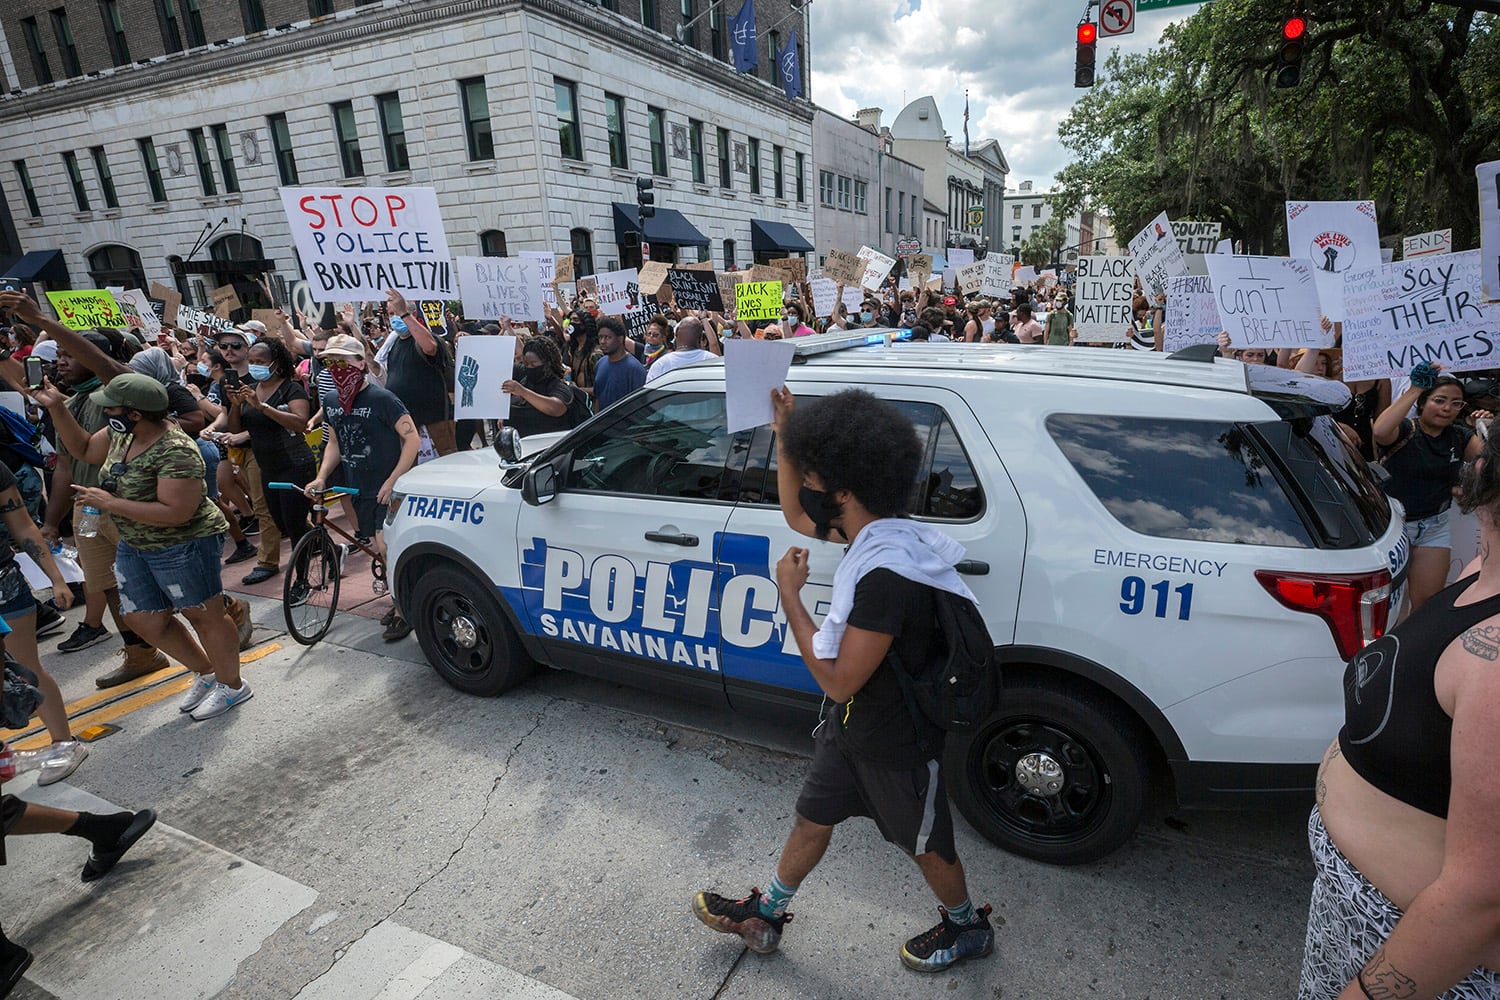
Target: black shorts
(908,804)
(371,514)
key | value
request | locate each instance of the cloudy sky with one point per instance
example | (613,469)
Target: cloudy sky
(1014,56)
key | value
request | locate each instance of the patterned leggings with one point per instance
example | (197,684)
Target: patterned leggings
(1348,920)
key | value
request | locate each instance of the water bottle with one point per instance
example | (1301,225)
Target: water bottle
(88,523)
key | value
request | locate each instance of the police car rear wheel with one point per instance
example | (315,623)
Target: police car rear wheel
(464,633)
(1054,775)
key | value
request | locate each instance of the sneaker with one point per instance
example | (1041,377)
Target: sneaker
(398,629)
(948,943)
(203,685)
(388,617)
(84,636)
(249,524)
(239,612)
(48,620)
(243,552)
(139,661)
(65,758)
(762,934)
(222,699)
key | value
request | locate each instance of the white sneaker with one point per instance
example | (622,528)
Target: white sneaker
(222,699)
(64,761)
(195,694)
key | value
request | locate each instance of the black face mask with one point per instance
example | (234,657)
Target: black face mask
(119,423)
(822,508)
(532,378)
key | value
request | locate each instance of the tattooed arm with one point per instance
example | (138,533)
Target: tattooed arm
(24,530)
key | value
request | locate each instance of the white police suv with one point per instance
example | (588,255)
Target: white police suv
(1175,555)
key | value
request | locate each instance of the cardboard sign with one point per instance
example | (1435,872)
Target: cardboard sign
(752,368)
(270,318)
(653,275)
(795,267)
(1427,309)
(171,297)
(355,242)
(695,290)
(619,292)
(85,310)
(999,270)
(1337,236)
(843,268)
(500,288)
(702,265)
(588,286)
(1196,237)
(727,282)
(225,299)
(480,366)
(1426,244)
(1267,301)
(1103,289)
(757,300)
(970,277)
(562,268)
(432,312)
(1192,313)
(1489,229)
(1157,255)
(919,267)
(877,266)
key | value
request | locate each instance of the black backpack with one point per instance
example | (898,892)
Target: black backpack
(578,407)
(959,686)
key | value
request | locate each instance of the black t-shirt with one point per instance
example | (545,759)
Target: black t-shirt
(418,381)
(179,400)
(527,419)
(1425,469)
(369,446)
(274,446)
(876,724)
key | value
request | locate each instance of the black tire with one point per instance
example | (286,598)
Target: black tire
(1102,777)
(464,633)
(310,589)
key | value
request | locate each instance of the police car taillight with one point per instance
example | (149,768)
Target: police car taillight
(1357,608)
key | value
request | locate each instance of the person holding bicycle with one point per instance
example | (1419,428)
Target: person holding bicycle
(373,439)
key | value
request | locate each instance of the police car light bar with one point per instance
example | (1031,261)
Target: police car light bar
(842,340)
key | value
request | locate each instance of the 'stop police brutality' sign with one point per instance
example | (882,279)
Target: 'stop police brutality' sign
(357,242)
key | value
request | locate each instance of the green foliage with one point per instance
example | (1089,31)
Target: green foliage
(1399,102)
(1042,244)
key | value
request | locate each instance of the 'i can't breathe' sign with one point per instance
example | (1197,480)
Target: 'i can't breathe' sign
(355,243)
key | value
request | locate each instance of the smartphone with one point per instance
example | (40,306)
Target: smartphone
(230,381)
(36,370)
(10,285)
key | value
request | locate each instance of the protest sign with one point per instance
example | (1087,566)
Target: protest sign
(960,257)
(1427,309)
(587,286)
(271,318)
(854,300)
(999,269)
(844,268)
(795,267)
(637,320)
(726,283)
(919,267)
(757,300)
(546,262)
(1192,313)
(480,366)
(171,297)
(1267,301)
(619,292)
(1336,236)
(1157,255)
(432,312)
(877,266)
(1025,275)
(652,276)
(198,322)
(762,272)
(825,295)
(225,299)
(562,267)
(1225,246)
(136,305)
(1196,237)
(355,243)
(1427,244)
(970,277)
(1103,289)
(1489,229)
(702,265)
(695,290)
(752,368)
(85,310)
(500,287)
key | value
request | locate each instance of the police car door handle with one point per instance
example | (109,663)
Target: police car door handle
(672,538)
(973,567)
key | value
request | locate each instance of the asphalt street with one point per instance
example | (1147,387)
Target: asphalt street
(360,830)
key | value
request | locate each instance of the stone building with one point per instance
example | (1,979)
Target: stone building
(867,196)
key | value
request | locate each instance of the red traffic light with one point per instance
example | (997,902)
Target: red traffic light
(1294,28)
(1088,33)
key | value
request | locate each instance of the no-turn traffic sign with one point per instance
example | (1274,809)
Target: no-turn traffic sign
(1117,17)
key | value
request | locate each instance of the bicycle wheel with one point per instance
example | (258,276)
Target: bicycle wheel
(310,593)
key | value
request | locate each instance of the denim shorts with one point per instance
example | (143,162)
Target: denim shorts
(210,453)
(179,576)
(16,600)
(1430,532)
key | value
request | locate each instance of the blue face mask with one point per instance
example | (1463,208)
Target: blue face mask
(204,369)
(260,372)
(865,317)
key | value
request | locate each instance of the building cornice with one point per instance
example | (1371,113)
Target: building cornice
(362,24)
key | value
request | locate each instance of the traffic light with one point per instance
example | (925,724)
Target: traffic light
(645,197)
(1083,65)
(1289,50)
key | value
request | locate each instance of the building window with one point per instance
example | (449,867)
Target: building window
(648,13)
(253,12)
(106,179)
(728,255)
(63,31)
(166,15)
(477,125)
(569,135)
(656,120)
(689,31)
(281,147)
(1015,211)
(225,150)
(75,178)
(888,210)
(153,170)
(860,190)
(1036,210)
(846,187)
(614,124)
(801,179)
(755,166)
(319,8)
(778,180)
(901,215)
(205,168)
(392,131)
(347,139)
(39,64)
(725,178)
(716,40)
(195,34)
(27,190)
(825,188)
(695,133)
(582,246)
(116,265)
(492,243)
(114,31)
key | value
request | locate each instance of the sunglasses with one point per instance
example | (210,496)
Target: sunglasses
(338,362)
(111,482)
(231,345)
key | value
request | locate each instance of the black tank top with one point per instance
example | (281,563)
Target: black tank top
(1396,735)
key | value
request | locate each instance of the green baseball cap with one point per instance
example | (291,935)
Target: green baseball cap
(135,391)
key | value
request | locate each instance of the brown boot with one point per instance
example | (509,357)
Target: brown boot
(139,661)
(239,612)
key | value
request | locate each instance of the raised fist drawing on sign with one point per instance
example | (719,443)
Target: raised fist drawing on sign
(468,377)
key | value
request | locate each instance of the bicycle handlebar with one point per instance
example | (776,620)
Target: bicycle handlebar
(349,490)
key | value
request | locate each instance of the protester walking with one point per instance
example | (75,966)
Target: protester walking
(274,410)
(617,373)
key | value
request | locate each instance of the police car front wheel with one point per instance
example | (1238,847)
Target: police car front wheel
(464,633)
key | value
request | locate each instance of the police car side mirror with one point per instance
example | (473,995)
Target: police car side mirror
(508,446)
(540,484)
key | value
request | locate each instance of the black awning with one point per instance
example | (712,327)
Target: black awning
(249,265)
(766,236)
(668,226)
(40,265)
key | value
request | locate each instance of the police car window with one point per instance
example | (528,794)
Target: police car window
(1190,479)
(671,445)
